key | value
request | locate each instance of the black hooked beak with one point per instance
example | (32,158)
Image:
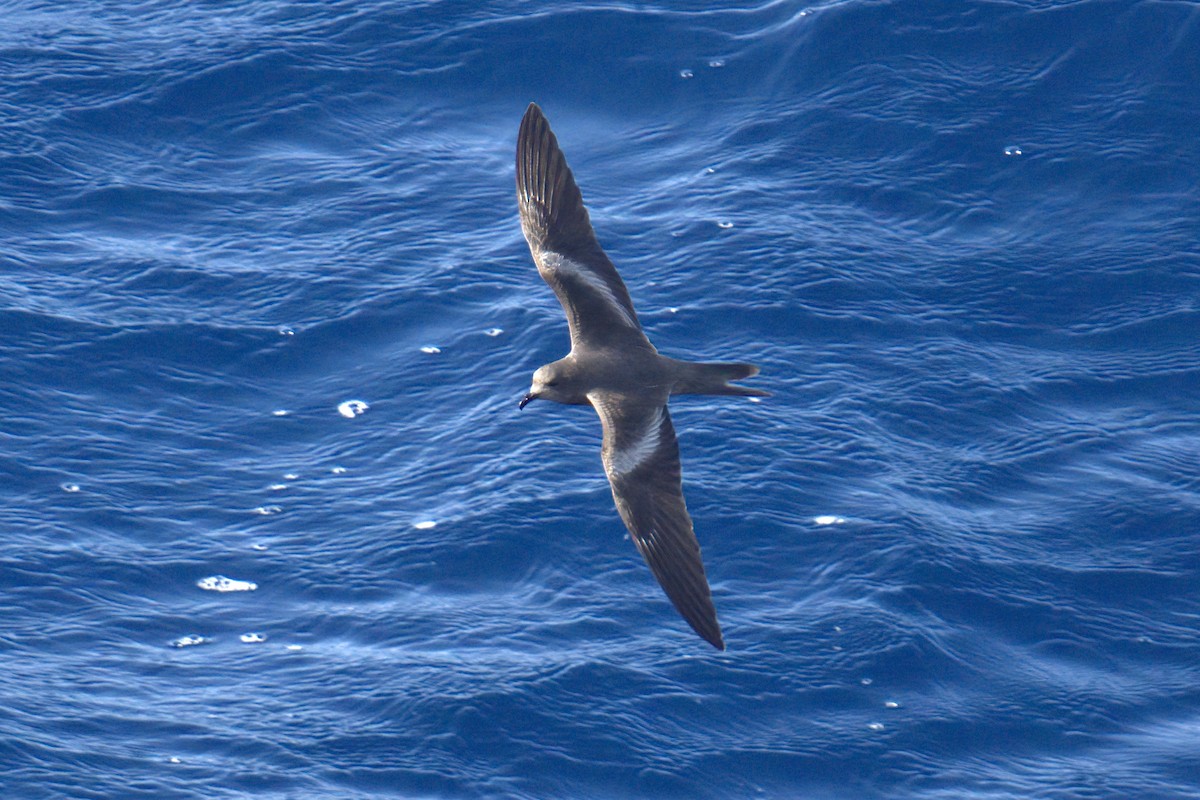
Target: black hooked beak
(525,400)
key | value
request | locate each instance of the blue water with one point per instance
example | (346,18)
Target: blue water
(956,554)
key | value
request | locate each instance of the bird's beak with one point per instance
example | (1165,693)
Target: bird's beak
(525,400)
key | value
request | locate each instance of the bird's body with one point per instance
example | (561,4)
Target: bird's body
(613,367)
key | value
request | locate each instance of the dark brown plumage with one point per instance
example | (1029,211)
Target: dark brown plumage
(613,367)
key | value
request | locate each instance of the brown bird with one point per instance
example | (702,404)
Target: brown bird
(613,367)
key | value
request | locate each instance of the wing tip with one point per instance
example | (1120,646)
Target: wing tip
(551,206)
(701,616)
(704,622)
(533,116)
(716,640)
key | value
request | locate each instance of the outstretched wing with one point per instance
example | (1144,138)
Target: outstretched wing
(641,458)
(564,246)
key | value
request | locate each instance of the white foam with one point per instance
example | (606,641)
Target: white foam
(686,73)
(430,349)
(280,412)
(828,519)
(725,224)
(277,487)
(493,332)
(1012,150)
(190,641)
(425,524)
(70,488)
(285,330)
(338,470)
(267,511)
(295,648)
(352,408)
(219,583)
(253,638)
(876,726)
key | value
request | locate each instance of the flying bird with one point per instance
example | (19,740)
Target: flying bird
(613,368)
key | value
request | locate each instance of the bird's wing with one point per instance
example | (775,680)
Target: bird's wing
(564,246)
(641,459)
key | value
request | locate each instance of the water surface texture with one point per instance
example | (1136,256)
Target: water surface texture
(271,525)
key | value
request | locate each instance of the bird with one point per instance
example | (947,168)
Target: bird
(613,367)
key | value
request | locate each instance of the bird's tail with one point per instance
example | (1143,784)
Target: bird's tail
(697,378)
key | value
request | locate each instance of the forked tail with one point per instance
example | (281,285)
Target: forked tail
(697,378)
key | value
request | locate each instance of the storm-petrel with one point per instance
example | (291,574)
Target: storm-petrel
(613,367)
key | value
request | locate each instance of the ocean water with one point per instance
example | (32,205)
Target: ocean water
(956,554)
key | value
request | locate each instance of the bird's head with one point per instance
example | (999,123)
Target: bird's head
(550,382)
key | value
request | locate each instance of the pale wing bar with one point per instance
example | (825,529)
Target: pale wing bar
(563,243)
(641,459)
